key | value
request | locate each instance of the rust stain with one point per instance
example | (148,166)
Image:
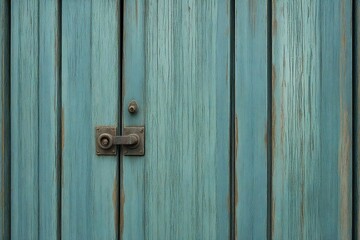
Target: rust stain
(228,8)
(274,21)
(122,202)
(273,110)
(236,136)
(273,142)
(236,204)
(62,129)
(266,136)
(115,203)
(2,190)
(344,167)
(273,218)
(62,146)
(253,10)
(344,158)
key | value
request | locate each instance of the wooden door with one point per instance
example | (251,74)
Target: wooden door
(250,109)
(176,65)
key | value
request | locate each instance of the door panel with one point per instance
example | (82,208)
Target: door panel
(35,139)
(247,107)
(179,73)
(90,97)
(24,120)
(252,125)
(356,64)
(312,120)
(5,120)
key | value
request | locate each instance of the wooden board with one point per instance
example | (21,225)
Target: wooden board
(5,120)
(251,119)
(312,119)
(24,120)
(176,64)
(35,120)
(90,97)
(49,119)
(356,134)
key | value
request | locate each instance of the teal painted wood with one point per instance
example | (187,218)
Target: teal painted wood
(90,97)
(312,119)
(5,120)
(178,53)
(35,114)
(24,120)
(49,119)
(133,207)
(356,64)
(251,119)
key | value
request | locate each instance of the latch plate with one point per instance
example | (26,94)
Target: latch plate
(127,150)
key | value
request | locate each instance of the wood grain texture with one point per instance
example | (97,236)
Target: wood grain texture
(90,90)
(5,120)
(24,120)
(180,189)
(312,119)
(49,119)
(356,64)
(35,114)
(251,118)
(133,205)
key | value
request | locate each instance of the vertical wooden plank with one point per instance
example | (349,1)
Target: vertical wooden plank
(180,188)
(133,79)
(251,118)
(49,119)
(24,120)
(34,113)
(5,120)
(312,119)
(356,71)
(90,96)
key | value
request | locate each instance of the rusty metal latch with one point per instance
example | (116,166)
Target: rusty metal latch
(132,142)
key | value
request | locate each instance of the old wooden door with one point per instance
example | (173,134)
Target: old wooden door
(250,110)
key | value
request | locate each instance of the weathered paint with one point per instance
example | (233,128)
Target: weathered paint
(4,120)
(34,120)
(176,65)
(251,106)
(356,64)
(49,119)
(312,109)
(25,120)
(90,97)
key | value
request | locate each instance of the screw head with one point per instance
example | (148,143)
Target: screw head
(104,141)
(133,107)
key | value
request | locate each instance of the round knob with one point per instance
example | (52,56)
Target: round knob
(105,141)
(133,107)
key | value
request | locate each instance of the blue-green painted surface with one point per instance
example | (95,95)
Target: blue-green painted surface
(4,120)
(312,119)
(251,118)
(64,70)
(49,119)
(25,207)
(176,64)
(90,96)
(34,120)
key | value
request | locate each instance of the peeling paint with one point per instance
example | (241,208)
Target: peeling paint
(274,21)
(122,203)
(115,203)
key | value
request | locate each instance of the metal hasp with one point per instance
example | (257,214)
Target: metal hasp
(132,142)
